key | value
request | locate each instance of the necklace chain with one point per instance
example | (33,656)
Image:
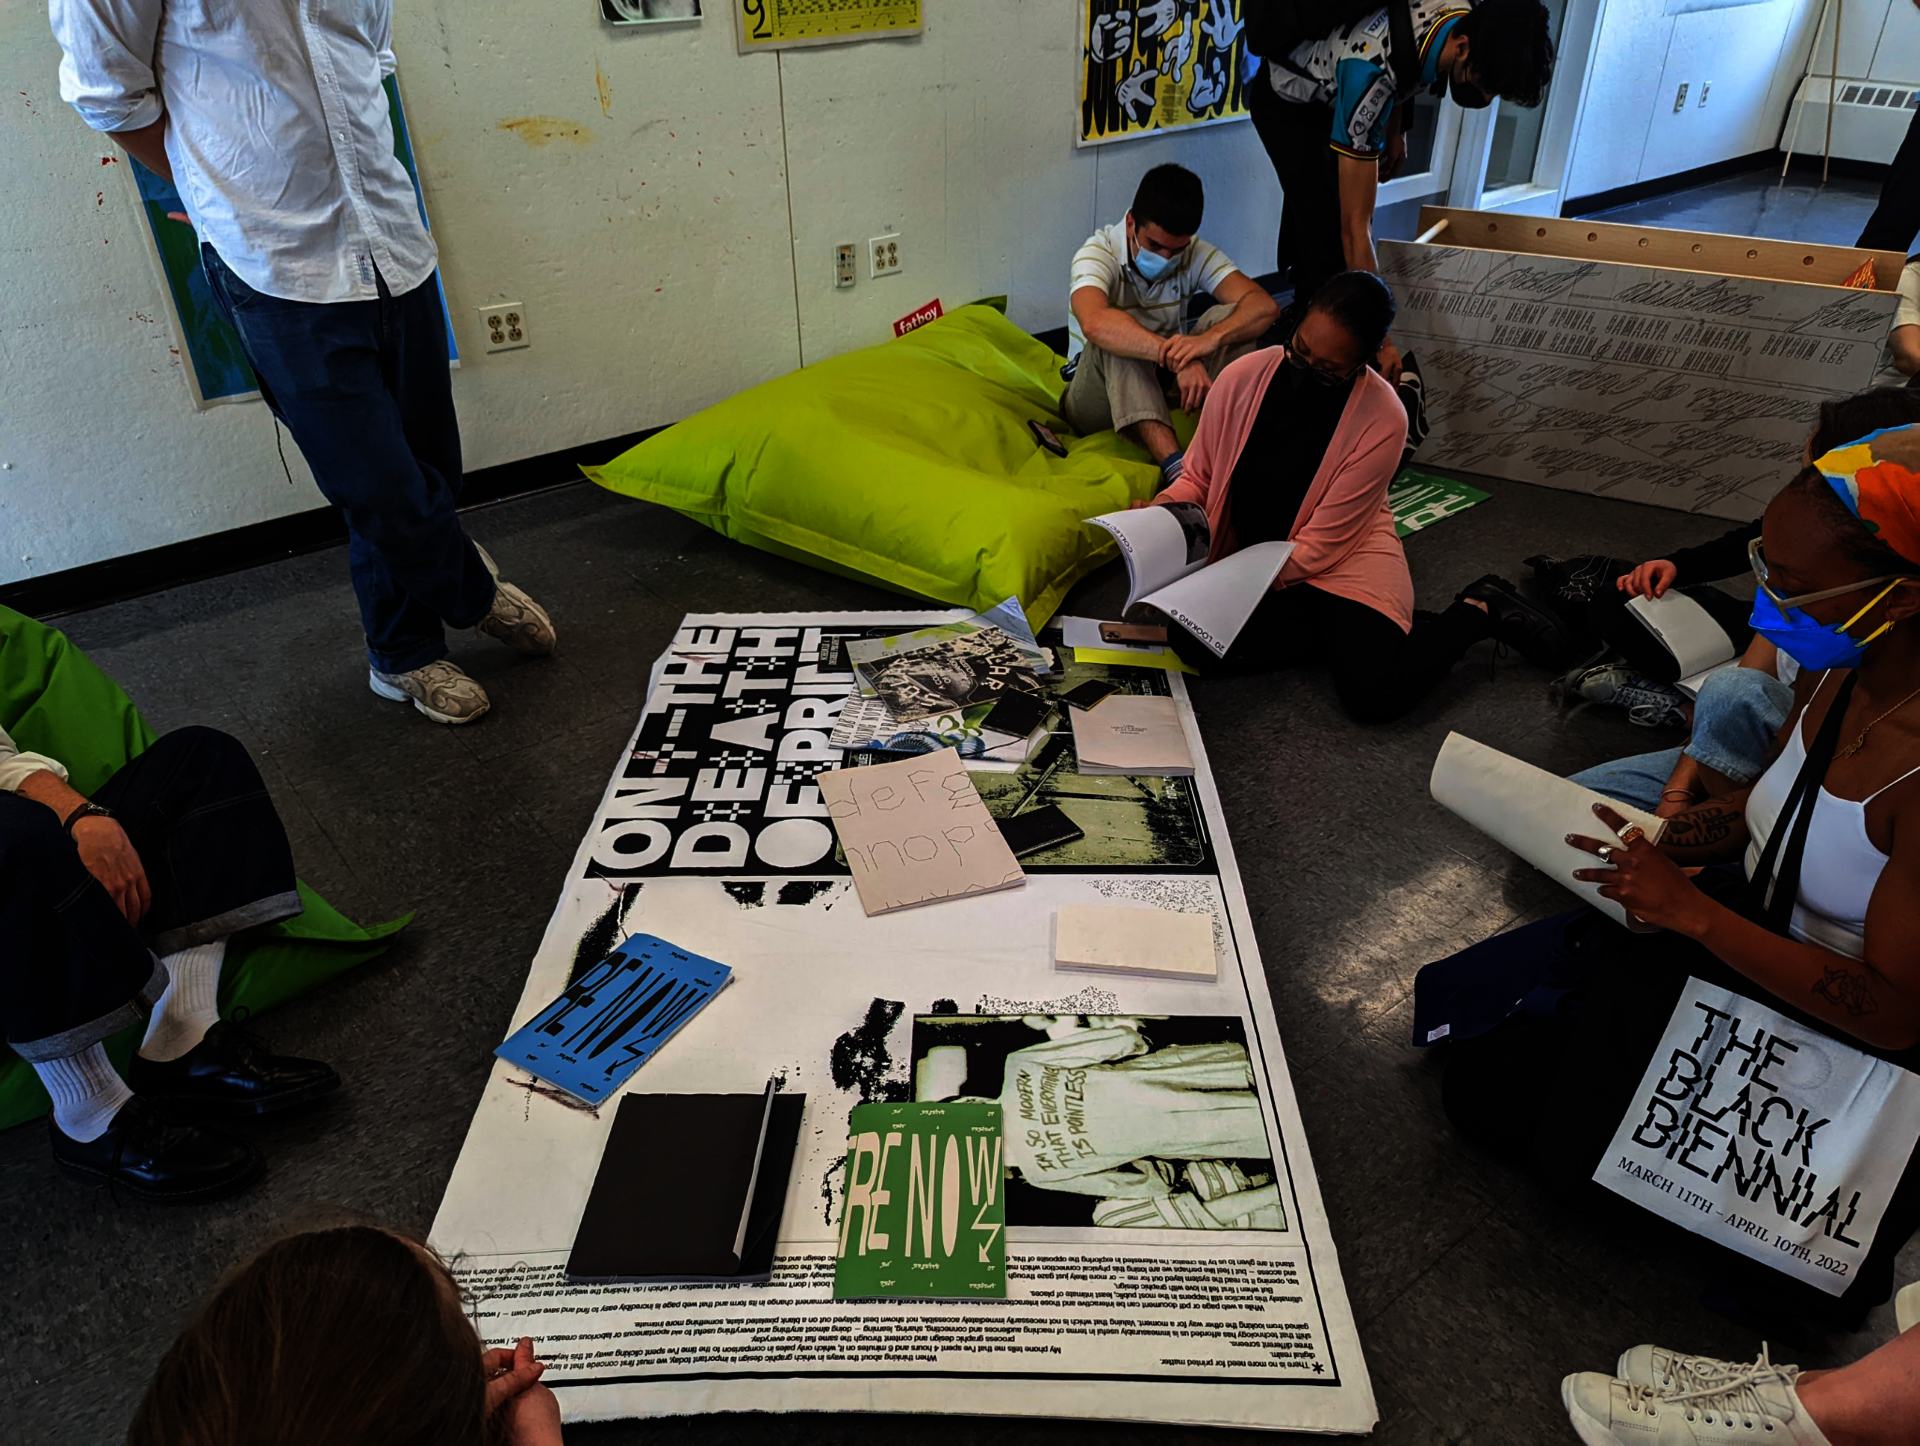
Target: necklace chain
(1860,740)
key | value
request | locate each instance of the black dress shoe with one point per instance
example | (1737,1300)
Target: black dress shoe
(1534,632)
(146,1155)
(231,1073)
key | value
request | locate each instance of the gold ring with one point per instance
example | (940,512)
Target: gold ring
(1632,834)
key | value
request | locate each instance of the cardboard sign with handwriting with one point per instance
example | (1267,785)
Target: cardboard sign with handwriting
(916,832)
(1680,388)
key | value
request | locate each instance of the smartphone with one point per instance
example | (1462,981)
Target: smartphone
(1132,633)
(1040,828)
(1047,438)
(1090,695)
(1018,713)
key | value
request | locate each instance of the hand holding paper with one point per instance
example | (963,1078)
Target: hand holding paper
(1534,813)
(1166,547)
(1650,886)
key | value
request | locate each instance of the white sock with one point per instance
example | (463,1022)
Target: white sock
(190,1006)
(87,1094)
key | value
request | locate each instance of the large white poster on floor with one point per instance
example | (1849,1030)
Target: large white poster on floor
(1766,1137)
(1168,1257)
(1678,388)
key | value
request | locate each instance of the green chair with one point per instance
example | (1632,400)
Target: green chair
(53,700)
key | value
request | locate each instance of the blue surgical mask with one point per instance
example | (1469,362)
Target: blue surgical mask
(1151,264)
(1809,642)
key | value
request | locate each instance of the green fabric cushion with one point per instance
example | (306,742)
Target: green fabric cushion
(909,464)
(53,700)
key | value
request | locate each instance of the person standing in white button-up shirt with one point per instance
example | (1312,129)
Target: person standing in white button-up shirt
(271,118)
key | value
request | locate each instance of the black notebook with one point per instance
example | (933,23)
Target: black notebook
(672,1189)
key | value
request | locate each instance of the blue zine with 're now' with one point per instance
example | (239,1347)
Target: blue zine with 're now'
(612,1019)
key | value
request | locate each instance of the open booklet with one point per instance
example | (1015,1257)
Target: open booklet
(1168,576)
(950,667)
(1688,631)
(1532,811)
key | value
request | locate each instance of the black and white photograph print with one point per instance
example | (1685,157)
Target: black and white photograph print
(648,12)
(1115,1121)
(1194,528)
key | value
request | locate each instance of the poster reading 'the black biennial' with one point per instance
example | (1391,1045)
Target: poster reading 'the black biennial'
(1766,1137)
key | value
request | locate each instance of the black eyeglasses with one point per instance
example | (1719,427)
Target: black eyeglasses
(1300,362)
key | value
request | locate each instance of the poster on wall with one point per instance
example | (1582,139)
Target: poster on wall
(783,24)
(649,12)
(216,370)
(1160,65)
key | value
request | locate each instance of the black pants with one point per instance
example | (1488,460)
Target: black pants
(1548,1090)
(1378,671)
(1619,629)
(1296,137)
(1896,220)
(217,861)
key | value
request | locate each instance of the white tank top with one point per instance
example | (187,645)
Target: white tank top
(1841,865)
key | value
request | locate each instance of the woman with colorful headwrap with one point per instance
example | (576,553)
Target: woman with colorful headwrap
(1826,931)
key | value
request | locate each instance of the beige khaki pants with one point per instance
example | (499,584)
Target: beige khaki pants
(1110,393)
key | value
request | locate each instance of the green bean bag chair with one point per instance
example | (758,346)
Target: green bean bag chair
(53,700)
(910,465)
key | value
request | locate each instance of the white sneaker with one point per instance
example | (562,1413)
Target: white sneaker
(440,690)
(1607,1411)
(516,619)
(1906,1307)
(1668,1371)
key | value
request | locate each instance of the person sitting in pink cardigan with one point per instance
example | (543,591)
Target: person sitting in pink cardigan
(1300,443)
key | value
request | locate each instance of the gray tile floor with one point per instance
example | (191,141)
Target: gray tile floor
(1760,204)
(1473,1297)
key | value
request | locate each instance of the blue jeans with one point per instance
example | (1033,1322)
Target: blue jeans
(1735,720)
(363,387)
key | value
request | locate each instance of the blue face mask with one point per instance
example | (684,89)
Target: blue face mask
(1151,264)
(1808,641)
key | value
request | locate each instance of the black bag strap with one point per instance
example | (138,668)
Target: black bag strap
(1772,894)
(1403,51)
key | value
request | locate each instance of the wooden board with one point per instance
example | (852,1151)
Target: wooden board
(1655,246)
(1648,383)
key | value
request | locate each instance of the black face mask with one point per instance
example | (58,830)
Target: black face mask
(1467,95)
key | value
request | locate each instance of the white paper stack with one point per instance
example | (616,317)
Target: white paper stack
(1115,939)
(1132,735)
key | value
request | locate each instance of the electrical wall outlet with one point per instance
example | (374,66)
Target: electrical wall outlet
(506,326)
(845,255)
(1705,86)
(883,255)
(1680,98)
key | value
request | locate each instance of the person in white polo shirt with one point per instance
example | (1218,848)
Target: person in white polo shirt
(271,118)
(1136,359)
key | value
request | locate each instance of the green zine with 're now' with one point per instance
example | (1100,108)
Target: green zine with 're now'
(923,1212)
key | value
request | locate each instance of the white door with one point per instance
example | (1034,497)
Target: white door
(1515,159)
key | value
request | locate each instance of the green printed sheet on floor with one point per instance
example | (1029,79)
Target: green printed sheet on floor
(1420,499)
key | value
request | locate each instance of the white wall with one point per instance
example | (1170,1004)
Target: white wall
(1750,55)
(654,253)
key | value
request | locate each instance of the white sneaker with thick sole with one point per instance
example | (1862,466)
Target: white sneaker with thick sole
(1755,1402)
(440,690)
(1667,1371)
(516,619)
